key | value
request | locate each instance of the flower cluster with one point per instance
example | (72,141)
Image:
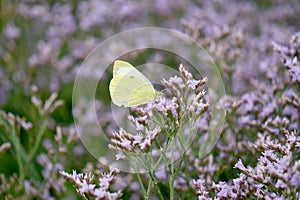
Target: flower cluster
(86,187)
(16,121)
(290,57)
(260,121)
(277,170)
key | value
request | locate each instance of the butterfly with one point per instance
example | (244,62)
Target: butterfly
(129,87)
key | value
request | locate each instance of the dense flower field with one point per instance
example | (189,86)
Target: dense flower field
(166,148)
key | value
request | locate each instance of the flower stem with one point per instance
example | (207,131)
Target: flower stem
(17,144)
(38,139)
(12,136)
(156,185)
(172,177)
(149,189)
(141,182)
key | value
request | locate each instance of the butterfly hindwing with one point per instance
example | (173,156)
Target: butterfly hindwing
(142,94)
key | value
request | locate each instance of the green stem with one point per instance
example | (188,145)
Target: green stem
(38,139)
(19,152)
(152,170)
(147,196)
(12,136)
(141,182)
(17,144)
(179,165)
(172,173)
(171,187)
(156,185)
(146,193)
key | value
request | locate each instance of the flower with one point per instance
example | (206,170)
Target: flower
(84,184)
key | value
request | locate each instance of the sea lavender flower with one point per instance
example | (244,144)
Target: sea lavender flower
(49,106)
(87,187)
(277,165)
(201,189)
(4,147)
(266,110)
(10,186)
(16,121)
(63,22)
(290,57)
(11,32)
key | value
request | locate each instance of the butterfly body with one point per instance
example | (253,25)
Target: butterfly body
(129,87)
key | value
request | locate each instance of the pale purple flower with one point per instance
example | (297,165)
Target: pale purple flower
(126,144)
(137,139)
(99,193)
(295,74)
(4,147)
(120,155)
(63,22)
(86,188)
(92,13)
(11,32)
(200,188)
(240,165)
(105,181)
(146,143)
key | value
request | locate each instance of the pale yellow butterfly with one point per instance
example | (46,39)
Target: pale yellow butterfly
(129,87)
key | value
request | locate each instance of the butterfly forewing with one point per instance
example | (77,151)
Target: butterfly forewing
(126,69)
(129,87)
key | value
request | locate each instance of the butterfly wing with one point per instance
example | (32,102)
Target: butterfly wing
(129,87)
